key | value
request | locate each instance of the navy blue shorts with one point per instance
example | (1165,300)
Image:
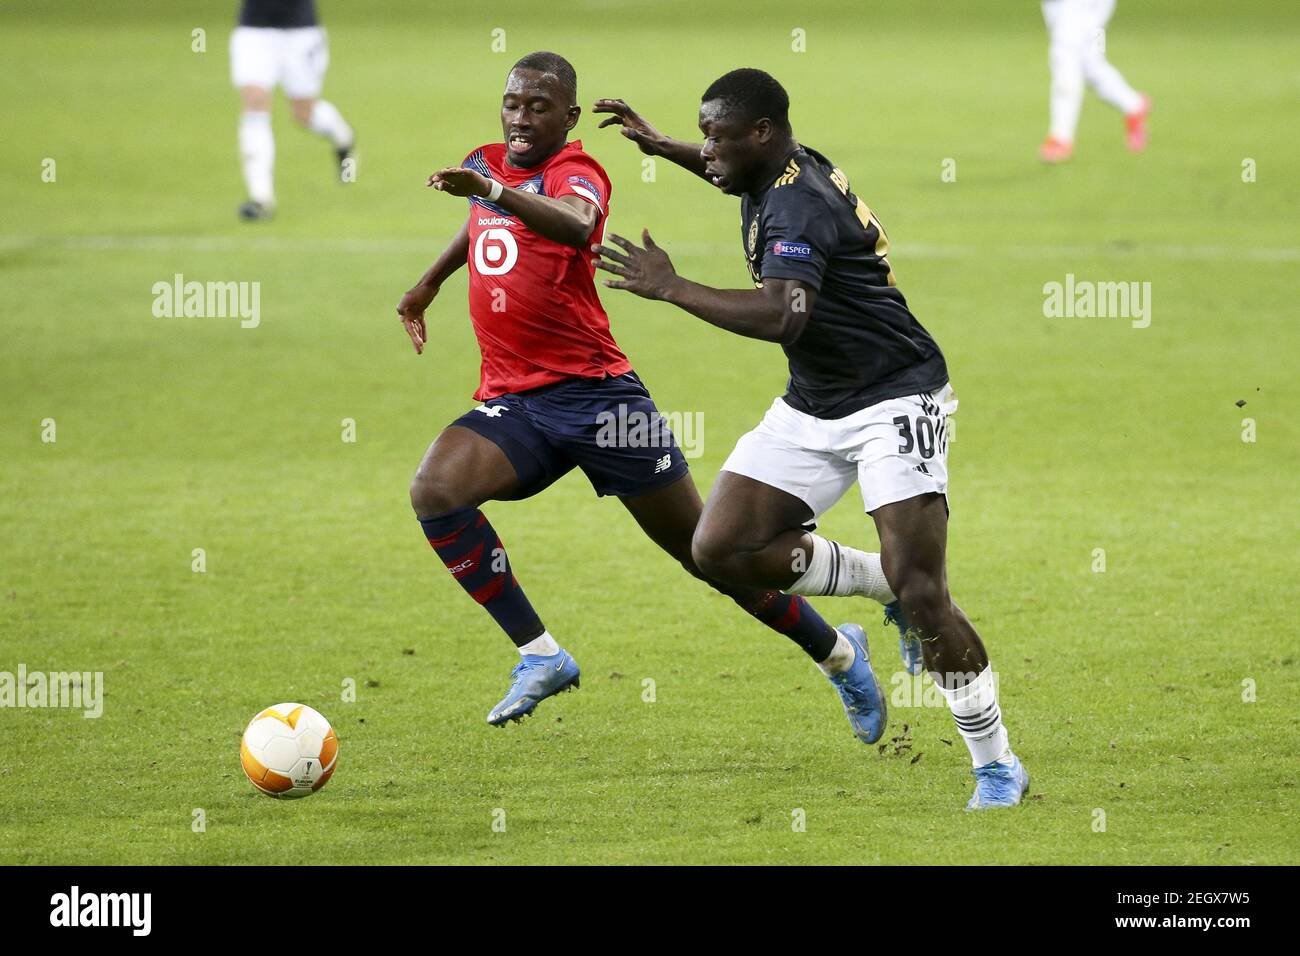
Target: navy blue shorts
(608,427)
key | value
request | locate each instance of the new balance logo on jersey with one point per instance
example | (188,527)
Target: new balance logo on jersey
(663,464)
(492,411)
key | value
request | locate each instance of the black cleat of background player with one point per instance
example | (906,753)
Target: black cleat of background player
(252,211)
(344,154)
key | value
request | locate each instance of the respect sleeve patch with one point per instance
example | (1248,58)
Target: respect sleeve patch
(792,250)
(585,187)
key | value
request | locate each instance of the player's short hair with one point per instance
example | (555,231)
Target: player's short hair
(751,95)
(557,66)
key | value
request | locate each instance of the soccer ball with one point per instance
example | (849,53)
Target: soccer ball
(289,750)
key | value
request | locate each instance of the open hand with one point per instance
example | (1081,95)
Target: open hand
(646,272)
(458,181)
(633,126)
(411,311)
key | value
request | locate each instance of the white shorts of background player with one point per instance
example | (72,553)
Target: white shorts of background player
(294,59)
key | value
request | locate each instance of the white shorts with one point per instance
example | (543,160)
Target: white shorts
(896,449)
(268,57)
(1077,21)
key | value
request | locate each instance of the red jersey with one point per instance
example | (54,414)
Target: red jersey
(532,300)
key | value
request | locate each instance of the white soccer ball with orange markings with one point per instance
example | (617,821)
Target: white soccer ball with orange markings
(289,750)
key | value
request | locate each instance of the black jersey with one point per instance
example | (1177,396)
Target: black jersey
(281,14)
(861,344)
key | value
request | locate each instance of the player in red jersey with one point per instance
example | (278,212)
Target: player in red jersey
(552,381)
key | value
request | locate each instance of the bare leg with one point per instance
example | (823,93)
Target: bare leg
(670,517)
(257,144)
(751,533)
(913,545)
(461,469)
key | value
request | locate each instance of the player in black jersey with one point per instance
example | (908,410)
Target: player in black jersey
(867,402)
(281,43)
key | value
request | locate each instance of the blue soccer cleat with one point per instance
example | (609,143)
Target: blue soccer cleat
(909,645)
(864,704)
(535,679)
(999,785)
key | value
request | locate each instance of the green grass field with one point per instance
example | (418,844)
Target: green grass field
(1123,690)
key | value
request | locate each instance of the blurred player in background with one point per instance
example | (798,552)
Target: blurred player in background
(867,402)
(552,379)
(1077,55)
(280,42)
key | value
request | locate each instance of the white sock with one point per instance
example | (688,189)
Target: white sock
(327,121)
(838,570)
(1067,90)
(257,155)
(979,718)
(841,658)
(1072,29)
(543,646)
(1111,85)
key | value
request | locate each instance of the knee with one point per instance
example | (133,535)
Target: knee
(302,111)
(434,493)
(255,99)
(712,556)
(924,597)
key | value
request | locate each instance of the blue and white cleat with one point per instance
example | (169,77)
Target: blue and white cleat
(909,645)
(999,785)
(864,704)
(535,678)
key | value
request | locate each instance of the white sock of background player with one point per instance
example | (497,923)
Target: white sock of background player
(257,155)
(1110,83)
(327,121)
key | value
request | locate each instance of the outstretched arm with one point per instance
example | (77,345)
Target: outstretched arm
(412,305)
(650,140)
(777,312)
(567,219)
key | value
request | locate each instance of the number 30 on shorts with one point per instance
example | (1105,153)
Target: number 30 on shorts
(926,437)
